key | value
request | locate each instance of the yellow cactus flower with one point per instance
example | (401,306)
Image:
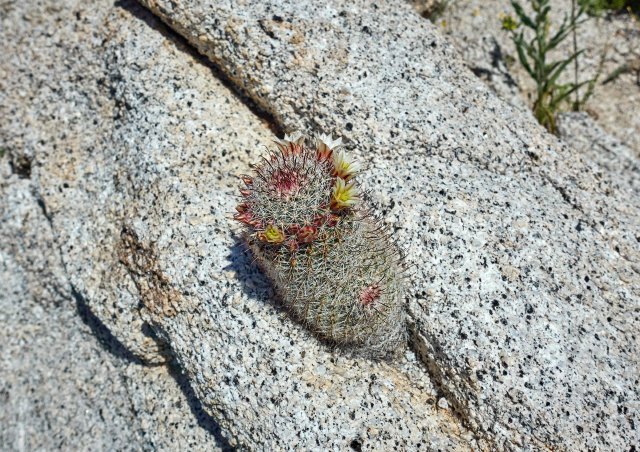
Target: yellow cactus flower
(344,194)
(343,167)
(272,235)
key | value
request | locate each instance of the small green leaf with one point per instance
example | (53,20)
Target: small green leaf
(519,41)
(566,92)
(522,15)
(561,34)
(553,77)
(624,69)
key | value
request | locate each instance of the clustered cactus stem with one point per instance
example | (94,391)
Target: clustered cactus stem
(331,262)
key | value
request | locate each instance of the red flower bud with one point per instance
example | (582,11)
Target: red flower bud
(332,220)
(370,295)
(307,234)
(324,155)
(326,220)
(293,229)
(245,217)
(255,223)
(295,149)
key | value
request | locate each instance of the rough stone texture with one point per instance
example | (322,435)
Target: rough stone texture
(57,100)
(268,379)
(132,145)
(525,292)
(59,387)
(474,27)
(581,132)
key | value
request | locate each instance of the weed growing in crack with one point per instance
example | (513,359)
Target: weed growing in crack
(534,42)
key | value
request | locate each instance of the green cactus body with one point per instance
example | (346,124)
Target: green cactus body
(333,266)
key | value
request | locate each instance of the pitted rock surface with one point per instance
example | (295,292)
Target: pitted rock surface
(526,283)
(133,147)
(524,291)
(64,384)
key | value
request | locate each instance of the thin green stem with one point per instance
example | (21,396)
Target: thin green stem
(576,105)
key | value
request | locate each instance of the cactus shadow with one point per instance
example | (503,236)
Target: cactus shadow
(205,420)
(256,285)
(252,280)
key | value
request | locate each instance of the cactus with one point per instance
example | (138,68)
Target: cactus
(331,263)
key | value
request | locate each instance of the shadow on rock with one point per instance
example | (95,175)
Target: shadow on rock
(253,282)
(205,420)
(105,338)
(143,14)
(112,345)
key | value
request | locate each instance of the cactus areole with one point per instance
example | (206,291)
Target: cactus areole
(332,264)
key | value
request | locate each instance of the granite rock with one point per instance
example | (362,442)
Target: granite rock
(525,293)
(584,134)
(63,383)
(133,146)
(56,100)
(266,379)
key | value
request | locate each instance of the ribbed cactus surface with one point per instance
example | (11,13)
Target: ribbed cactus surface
(333,265)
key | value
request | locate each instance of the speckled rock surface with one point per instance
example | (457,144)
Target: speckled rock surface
(60,387)
(582,133)
(474,27)
(57,101)
(268,382)
(132,147)
(525,293)
(267,379)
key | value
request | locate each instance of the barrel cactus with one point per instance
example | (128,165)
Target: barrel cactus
(332,264)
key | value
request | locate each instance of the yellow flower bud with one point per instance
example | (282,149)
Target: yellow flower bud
(343,167)
(272,235)
(344,194)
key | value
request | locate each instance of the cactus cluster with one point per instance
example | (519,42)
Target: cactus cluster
(331,262)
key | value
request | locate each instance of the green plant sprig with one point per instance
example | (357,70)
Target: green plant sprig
(599,7)
(533,55)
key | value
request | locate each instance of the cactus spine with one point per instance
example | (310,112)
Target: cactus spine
(332,264)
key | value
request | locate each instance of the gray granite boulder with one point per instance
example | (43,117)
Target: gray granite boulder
(64,383)
(57,100)
(523,294)
(132,146)
(525,253)
(582,133)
